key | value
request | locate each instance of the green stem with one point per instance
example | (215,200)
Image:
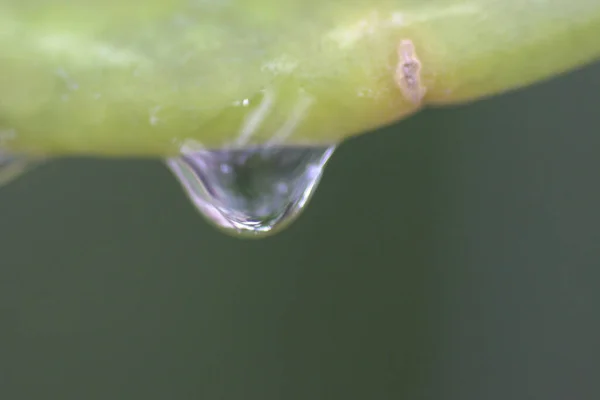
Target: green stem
(143,78)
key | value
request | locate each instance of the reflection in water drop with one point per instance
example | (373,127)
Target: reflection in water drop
(251,191)
(12,167)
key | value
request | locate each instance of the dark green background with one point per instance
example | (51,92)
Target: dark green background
(453,256)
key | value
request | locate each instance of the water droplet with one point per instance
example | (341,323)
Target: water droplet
(12,167)
(252,191)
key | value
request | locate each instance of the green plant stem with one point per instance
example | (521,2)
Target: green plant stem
(143,78)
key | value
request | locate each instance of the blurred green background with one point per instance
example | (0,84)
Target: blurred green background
(455,255)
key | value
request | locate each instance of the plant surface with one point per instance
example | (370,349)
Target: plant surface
(142,77)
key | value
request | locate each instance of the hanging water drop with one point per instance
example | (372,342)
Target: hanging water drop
(12,167)
(251,191)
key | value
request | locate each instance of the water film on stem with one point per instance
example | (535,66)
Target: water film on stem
(11,167)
